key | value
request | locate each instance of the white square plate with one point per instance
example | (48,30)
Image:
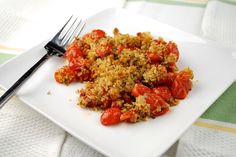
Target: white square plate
(213,67)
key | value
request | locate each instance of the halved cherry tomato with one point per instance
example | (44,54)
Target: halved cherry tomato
(163,111)
(111,116)
(153,57)
(76,63)
(156,103)
(65,75)
(129,116)
(104,50)
(163,92)
(168,79)
(98,33)
(94,35)
(73,51)
(172,48)
(140,89)
(178,91)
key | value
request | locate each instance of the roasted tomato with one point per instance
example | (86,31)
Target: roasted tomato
(77,63)
(103,50)
(140,89)
(163,92)
(74,51)
(111,116)
(178,91)
(98,33)
(172,49)
(182,84)
(153,57)
(94,35)
(65,75)
(156,103)
(129,116)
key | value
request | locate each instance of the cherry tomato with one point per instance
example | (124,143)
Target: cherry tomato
(111,116)
(98,33)
(129,116)
(104,50)
(140,89)
(83,75)
(65,75)
(172,48)
(73,51)
(178,91)
(163,92)
(168,79)
(154,57)
(156,103)
(94,35)
(163,111)
(185,74)
(76,63)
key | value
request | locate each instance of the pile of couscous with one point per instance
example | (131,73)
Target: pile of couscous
(131,78)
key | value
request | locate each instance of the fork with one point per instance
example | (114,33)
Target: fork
(54,47)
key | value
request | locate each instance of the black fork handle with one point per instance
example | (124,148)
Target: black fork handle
(11,91)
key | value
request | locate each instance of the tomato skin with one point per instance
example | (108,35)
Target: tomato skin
(168,79)
(74,51)
(178,91)
(156,103)
(172,48)
(163,111)
(163,92)
(153,57)
(94,35)
(98,33)
(129,116)
(65,75)
(104,50)
(111,116)
(140,89)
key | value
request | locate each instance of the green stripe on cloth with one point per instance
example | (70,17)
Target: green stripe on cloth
(191,3)
(224,108)
(5,57)
(229,1)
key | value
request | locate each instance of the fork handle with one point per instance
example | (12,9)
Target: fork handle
(11,91)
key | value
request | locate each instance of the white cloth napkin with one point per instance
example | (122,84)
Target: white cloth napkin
(26,133)
(219,22)
(216,139)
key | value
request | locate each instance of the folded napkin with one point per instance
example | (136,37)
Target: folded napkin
(219,22)
(26,133)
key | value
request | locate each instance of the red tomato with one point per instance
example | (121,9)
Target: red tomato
(153,57)
(185,74)
(73,51)
(172,48)
(168,79)
(65,75)
(156,103)
(98,33)
(140,89)
(104,50)
(178,91)
(111,116)
(163,111)
(76,63)
(155,100)
(94,35)
(83,75)
(163,92)
(129,116)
